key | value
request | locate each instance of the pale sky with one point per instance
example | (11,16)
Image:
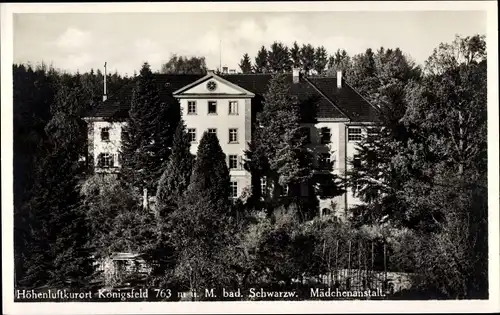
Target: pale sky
(75,41)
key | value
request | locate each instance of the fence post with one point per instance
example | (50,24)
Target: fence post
(366,268)
(337,261)
(385,267)
(359,263)
(348,280)
(329,266)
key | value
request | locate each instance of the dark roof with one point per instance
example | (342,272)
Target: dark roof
(318,97)
(348,100)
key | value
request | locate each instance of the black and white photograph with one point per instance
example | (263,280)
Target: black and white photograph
(272,154)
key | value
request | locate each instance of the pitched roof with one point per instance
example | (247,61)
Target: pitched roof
(349,100)
(319,97)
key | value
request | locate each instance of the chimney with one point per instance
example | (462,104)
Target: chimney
(339,79)
(224,70)
(296,75)
(105,95)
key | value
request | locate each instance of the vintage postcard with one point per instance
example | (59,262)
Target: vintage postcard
(272,157)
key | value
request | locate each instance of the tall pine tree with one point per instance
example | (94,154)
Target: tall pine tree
(279,58)
(175,179)
(320,59)
(150,130)
(261,62)
(199,226)
(295,55)
(307,57)
(58,230)
(277,151)
(245,64)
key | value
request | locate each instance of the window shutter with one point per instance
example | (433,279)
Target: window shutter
(240,162)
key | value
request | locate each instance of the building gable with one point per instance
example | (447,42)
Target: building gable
(212,85)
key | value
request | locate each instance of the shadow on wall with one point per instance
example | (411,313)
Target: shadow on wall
(320,188)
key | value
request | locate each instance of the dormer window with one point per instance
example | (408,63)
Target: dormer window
(105,134)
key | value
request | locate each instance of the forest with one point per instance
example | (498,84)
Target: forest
(423,180)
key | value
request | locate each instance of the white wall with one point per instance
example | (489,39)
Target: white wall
(113,145)
(222,121)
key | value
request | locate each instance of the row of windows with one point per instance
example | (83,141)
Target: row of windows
(354,134)
(233,134)
(107,160)
(192,108)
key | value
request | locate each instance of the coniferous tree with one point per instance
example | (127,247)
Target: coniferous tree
(295,55)
(58,230)
(199,226)
(175,179)
(261,62)
(279,58)
(245,64)
(307,57)
(277,150)
(150,129)
(320,59)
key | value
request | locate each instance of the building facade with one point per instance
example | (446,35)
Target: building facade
(334,118)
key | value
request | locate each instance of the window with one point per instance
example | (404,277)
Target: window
(124,135)
(233,135)
(105,160)
(212,131)
(104,134)
(233,107)
(192,134)
(354,134)
(233,161)
(263,186)
(234,189)
(191,107)
(212,107)
(356,161)
(306,133)
(325,135)
(325,162)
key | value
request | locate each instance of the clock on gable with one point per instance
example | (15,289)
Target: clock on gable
(211,85)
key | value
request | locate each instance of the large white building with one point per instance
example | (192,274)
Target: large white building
(334,116)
